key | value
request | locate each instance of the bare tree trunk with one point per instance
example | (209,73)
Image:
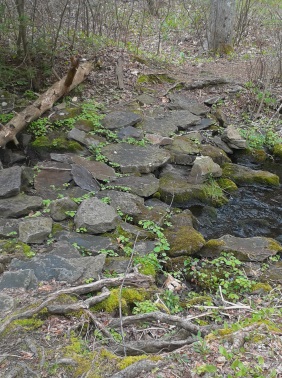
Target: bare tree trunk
(22,27)
(221,25)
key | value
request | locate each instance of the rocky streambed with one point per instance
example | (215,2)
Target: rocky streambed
(71,206)
(146,190)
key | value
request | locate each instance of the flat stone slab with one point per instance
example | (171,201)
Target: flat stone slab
(51,176)
(19,205)
(127,203)
(120,119)
(183,150)
(21,279)
(182,119)
(159,126)
(35,230)
(98,169)
(144,185)
(132,158)
(245,249)
(95,216)
(10,181)
(179,101)
(84,179)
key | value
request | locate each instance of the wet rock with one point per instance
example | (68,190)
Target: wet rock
(203,168)
(144,185)
(51,176)
(183,150)
(84,179)
(98,169)
(232,137)
(120,119)
(132,158)
(245,176)
(10,181)
(19,205)
(21,279)
(217,154)
(130,132)
(256,248)
(9,227)
(6,303)
(184,240)
(59,207)
(127,203)
(35,230)
(95,216)
(91,243)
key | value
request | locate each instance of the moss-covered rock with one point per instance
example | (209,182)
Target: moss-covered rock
(227,185)
(246,176)
(16,247)
(128,298)
(57,143)
(277,150)
(184,241)
(217,154)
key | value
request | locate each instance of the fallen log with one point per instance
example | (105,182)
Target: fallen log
(75,76)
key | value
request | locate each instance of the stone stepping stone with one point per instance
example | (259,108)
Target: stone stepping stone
(120,119)
(132,158)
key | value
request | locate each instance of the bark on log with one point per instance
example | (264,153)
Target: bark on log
(44,102)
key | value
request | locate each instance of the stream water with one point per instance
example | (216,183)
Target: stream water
(251,211)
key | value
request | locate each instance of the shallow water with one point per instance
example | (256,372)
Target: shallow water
(252,211)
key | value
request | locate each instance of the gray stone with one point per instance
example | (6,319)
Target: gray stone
(213,100)
(127,203)
(203,168)
(142,248)
(19,205)
(98,169)
(204,124)
(219,143)
(21,279)
(217,154)
(179,101)
(9,227)
(10,181)
(159,126)
(183,150)
(158,139)
(52,175)
(145,99)
(232,137)
(132,158)
(49,267)
(82,137)
(185,218)
(64,248)
(61,158)
(120,119)
(130,132)
(117,265)
(35,230)
(91,266)
(59,207)
(84,179)
(91,243)
(245,249)
(96,216)
(6,302)
(144,185)
(183,119)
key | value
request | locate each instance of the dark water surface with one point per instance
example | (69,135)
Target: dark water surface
(252,211)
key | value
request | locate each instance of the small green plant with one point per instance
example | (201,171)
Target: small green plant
(108,252)
(172,301)
(81,230)
(5,118)
(144,307)
(70,213)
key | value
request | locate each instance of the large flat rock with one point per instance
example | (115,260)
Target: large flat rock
(10,181)
(19,205)
(132,158)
